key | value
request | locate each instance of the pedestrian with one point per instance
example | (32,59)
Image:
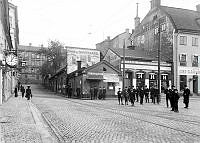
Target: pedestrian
(104,93)
(100,93)
(146,93)
(176,98)
(167,93)
(137,93)
(186,95)
(152,92)
(125,95)
(172,98)
(16,91)
(91,93)
(95,92)
(157,95)
(132,96)
(141,94)
(22,91)
(120,99)
(28,93)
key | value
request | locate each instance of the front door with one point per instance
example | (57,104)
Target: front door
(195,84)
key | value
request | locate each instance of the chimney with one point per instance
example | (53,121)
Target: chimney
(198,7)
(127,30)
(155,3)
(78,65)
(108,38)
(30,44)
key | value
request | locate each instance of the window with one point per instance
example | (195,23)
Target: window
(156,30)
(183,60)
(89,58)
(163,27)
(194,41)
(83,58)
(195,61)
(183,40)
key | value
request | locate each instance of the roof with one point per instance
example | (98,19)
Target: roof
(103,62)
(29,48)
(135,54)
(183,19)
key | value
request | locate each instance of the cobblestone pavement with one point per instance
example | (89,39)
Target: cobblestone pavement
(20,123)
(104,121)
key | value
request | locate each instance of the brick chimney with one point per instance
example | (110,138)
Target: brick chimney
(198,7)
(78,65)
(30,44)
(127,30)
(137,18)
(155,3)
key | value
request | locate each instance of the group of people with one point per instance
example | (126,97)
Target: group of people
(131,94)
(137,95)
(97,93)
(27,92)
(172,96)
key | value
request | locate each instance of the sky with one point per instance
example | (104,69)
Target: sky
(81,23)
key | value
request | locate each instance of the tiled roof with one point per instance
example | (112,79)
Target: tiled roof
(183,18)
(134,54)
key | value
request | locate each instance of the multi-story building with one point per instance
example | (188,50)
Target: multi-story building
(73,55)
(6,72)
(87,57)
(117,42)
(175,32)
(14,29)
(31,61)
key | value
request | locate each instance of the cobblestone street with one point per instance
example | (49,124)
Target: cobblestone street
(105,121)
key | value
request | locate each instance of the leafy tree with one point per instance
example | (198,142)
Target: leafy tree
(54,57)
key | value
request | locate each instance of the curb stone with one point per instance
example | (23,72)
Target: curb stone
(42,128)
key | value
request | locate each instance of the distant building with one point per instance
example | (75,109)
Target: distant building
(31,62)
(180,37)
(87,57)
(117,42)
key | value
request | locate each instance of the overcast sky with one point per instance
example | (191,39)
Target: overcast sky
(81,23)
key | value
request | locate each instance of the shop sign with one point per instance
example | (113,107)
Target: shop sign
(110,77)
(91,75)
(188,71)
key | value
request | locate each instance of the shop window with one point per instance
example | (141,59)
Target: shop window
(182,60)
(183,40)
(183,81)
(195,61)
(194,41)
(111,86)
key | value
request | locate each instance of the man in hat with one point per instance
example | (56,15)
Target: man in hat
(186,95)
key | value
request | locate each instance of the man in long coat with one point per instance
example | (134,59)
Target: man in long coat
(186,95)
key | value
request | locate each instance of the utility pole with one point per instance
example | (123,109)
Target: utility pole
(123,84)
(159,57)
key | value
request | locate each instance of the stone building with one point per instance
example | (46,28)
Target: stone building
(177,32)
(31,62)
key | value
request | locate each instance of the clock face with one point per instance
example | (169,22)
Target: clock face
(11,60)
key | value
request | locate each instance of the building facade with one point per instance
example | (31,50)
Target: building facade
(30,61)
(98,76)
(87,56)
(7,74)
(117,42)
(175,32)
(139,69)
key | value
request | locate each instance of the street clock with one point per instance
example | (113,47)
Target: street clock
(11,59)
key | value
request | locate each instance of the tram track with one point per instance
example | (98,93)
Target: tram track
(116,111)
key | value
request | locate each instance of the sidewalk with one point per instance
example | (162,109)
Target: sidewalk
(21,122)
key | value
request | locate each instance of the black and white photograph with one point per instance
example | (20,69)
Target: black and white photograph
(99,71)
